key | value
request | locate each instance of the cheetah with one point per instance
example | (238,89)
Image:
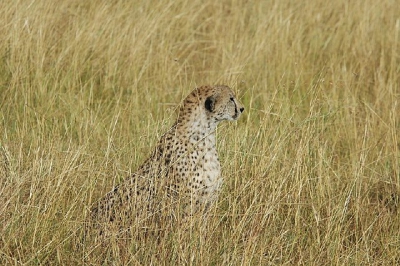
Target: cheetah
(182,175)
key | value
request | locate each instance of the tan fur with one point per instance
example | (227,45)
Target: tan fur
(182,175)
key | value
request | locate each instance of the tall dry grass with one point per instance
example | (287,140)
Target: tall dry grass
(312,169)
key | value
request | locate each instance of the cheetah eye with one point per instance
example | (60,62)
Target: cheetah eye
(232,99)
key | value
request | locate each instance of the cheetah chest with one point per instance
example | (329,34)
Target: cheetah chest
(206,178)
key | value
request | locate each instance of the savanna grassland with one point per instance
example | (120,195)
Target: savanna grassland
(312,168)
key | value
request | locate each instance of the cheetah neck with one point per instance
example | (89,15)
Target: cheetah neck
(196,126)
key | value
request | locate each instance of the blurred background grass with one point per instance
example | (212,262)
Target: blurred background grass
(312,170)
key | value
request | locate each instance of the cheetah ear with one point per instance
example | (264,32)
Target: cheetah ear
(210,103)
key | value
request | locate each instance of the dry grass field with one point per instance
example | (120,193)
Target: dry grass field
(312,168)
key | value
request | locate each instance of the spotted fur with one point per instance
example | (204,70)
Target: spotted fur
(182,175)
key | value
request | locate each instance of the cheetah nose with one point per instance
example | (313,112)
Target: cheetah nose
(241,109)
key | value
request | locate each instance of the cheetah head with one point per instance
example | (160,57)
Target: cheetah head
(221,104)
(216,103)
